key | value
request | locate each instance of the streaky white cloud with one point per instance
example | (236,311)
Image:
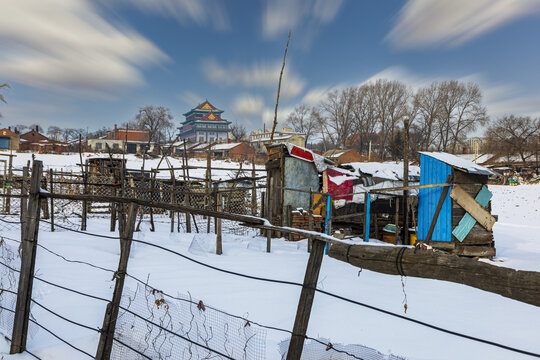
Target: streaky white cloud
(281,15)
(423,23)
(246,106)
(315,95)
(262,75)
(201,12)
(190,98)
(67,45)
(268,116)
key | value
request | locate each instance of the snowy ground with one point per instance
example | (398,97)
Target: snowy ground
(452,306)
(69,162)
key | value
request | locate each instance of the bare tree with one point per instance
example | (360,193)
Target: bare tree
(336,118)
(2,98)
(303,120)
(427,101)
(514,135)
(365,118)
(238,132)
(462,112)
(156,120)
(54,132)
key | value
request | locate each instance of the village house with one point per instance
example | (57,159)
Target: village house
(237,151)
(9,140)
(258,139)
(204,124)
(116,140)
(34,141)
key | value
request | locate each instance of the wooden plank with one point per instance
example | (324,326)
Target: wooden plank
(28,262)
(514,284)
(111,314)
(305,303)
(472,250)
(474,208)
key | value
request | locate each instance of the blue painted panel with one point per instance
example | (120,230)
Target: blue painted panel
(433,171)
(4,143)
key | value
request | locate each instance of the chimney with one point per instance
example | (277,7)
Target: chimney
(37,127)
(115,128)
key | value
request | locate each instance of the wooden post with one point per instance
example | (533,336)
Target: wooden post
(111,314)
(396,220)
(24,200)
(84,203)
(406,182)
(310,220)
(253,190)
(219,244)
(173,198)
(10,182)
(269,217)
(28,262)
(152,185)
(289,221)
(51,174)
(263,210)
(438,210)
(188,218)
(367,203)
(113,213)
(307,295)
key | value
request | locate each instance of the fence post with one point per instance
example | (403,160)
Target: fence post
(269,216)
(84,203)
(187,203)
(310,220)
(306,300)
(52,198)
(28,262)
(219,243)
(111,314)
(254,190)
(24,201)
(367,203)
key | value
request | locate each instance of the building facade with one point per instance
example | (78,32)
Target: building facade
(259,138)
(204,124)
(116,140)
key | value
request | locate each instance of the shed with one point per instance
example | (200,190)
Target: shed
(291,167)
(9,140)
(464,223)
(240,151)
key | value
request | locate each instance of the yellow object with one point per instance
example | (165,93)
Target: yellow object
(413,239)
(321,209)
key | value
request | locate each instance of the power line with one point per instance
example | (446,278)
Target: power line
(451,332)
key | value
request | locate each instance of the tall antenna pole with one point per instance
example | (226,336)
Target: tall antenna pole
(278,89)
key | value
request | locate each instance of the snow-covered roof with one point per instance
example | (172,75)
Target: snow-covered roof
(480,159)
(384,170)
(225,146)
(459,163)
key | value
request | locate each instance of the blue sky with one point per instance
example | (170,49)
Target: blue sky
(88,64)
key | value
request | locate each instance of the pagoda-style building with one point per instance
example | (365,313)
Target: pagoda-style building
(204,124)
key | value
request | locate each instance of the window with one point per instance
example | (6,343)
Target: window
(201,139)
(99,146)
(116,146)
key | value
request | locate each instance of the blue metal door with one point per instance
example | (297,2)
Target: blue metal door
(433,171)
(4,143)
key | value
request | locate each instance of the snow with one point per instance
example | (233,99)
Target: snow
(453,306)
(459,163)
(480,158)
(69,162)
(226,146)
(385,170)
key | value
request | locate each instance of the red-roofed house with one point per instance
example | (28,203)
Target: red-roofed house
(34,141)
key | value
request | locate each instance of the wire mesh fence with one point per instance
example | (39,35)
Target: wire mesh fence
(9,256)
(323,349)
(162,327)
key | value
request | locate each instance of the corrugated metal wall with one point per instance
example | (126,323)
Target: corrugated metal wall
(301,175)
(433,171)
